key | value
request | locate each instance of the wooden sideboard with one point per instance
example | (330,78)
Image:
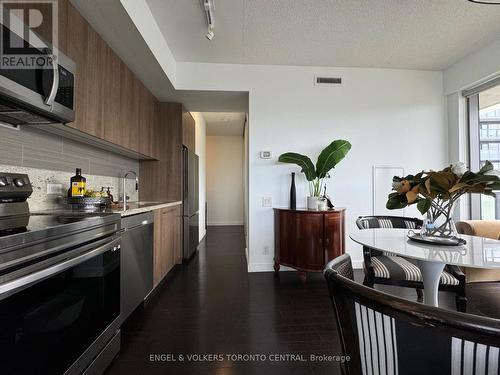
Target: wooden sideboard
(307,240)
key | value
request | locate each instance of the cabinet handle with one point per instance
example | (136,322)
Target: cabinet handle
(327,242)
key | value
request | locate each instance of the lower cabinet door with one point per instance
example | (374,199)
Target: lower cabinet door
(334,235)
(159,247)
(167,241)
(309,240)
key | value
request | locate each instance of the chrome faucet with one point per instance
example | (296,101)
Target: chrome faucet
(124,187)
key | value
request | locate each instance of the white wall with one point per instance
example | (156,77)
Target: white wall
(391,117)
(473,69)
(225,180)
(200,138)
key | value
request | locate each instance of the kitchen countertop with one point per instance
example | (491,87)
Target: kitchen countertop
(134,208)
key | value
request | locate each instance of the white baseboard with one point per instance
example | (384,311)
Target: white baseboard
(269,267)
(225,223)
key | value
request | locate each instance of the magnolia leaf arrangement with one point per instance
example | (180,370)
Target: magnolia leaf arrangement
(327,160)
(438,190)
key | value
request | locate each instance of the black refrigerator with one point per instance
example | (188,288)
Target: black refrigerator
(190,203)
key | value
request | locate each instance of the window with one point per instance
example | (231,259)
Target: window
(484,138)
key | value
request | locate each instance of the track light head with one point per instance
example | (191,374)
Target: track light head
(209,12)
(210,34)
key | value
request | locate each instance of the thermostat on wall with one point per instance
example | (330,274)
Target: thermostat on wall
(266,154)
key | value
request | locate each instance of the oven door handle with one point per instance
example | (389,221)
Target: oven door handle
(24,281)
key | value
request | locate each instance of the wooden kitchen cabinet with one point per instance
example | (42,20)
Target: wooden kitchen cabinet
(167,241)
(94,84)
(112,128)
(113,108)
(111,103)
(160,180)
(77,51)
(126,131)
(147,118)
(307,240)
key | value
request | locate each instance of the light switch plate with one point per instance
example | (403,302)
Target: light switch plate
(54,188)
(266,154)
(267,201)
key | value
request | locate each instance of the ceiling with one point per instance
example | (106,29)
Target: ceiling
(112,22)
(411,34)
(490,97)
(224,123)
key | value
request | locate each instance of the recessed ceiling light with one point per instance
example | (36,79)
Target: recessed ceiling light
(486,2)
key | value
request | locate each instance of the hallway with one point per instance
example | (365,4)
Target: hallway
(213,306)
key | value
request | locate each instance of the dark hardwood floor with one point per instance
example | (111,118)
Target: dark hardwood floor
(213,306)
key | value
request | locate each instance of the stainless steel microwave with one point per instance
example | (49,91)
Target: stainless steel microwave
(35,94)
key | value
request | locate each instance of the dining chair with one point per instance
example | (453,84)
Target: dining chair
(387,269)
(387,335)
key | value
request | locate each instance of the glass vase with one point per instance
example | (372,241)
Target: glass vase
(438,221)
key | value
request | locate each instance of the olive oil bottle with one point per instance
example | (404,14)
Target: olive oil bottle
(78,184)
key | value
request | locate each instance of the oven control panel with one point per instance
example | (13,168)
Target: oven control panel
(14,187)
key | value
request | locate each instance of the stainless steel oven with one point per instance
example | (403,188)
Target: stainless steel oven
(60,295)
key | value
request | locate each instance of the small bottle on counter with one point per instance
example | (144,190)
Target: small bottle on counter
(78,184)
(108,192)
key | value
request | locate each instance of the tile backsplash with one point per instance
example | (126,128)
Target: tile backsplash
(48,158)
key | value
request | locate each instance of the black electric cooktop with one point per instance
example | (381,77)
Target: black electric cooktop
(37,226)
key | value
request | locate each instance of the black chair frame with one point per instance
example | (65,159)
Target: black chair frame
(370,279)
(343,289)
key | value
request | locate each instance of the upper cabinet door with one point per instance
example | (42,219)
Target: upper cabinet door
(94,84)
(113,130)
(128,118)
(77,50)
(147,122)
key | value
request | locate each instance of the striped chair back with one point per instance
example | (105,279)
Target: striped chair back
(386,335)
(370,222)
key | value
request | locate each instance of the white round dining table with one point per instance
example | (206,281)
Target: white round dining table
(478,252)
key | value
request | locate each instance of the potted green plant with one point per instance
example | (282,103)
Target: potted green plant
(315,175)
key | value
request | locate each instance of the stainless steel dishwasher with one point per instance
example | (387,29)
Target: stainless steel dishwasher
(136,261)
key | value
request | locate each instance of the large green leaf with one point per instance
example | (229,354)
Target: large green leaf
(423,205)
(396,201)
(331,156)
(486,167)
(302,161)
